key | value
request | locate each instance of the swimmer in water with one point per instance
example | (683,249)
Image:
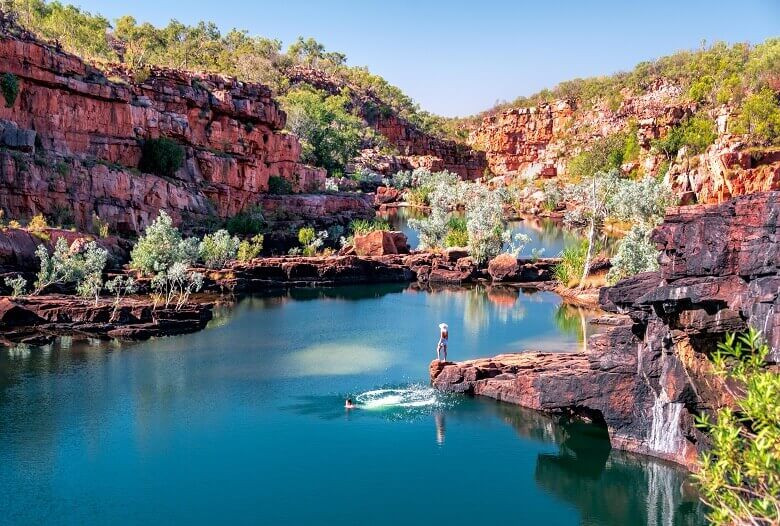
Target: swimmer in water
(348,404)
(441,348)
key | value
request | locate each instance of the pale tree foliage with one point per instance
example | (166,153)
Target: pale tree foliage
(176,284)
(641,203)
(17,284)
(68,265)
(161,246)
(120,286)
(485,223)
(218,248)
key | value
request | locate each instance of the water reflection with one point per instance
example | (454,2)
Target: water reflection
(607,486)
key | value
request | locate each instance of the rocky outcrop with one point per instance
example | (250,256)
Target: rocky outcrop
(75,141)
(416,148)
(648,376)
(507,268)
(381,243)
(38,319)
(728,168)
(538,142)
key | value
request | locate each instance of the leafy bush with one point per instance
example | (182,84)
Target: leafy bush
(485,223)
(120,287)
(99,226)
(361,227)
(161,246)
(760,117)
(247,223)
(217,249)
(161,157)
(177,284)
(311,241)
(635,254)
(738,476)
(457,232)
(279,186)
(330,135)
(64,265)
(9,85)
(605,154)
(250,249)
(17,284)
(572,265)
(38,222)
(695,133)
(419,196)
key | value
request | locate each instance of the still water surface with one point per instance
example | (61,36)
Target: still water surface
(243,423)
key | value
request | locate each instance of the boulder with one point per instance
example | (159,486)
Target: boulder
(503,267)
(381,243)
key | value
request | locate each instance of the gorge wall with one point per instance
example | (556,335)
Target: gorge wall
(72,140)
(541,141)
(416,148)
(649,375)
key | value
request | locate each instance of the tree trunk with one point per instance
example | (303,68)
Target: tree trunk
(591,235)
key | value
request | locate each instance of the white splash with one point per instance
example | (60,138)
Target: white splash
(414,396)
(665,433)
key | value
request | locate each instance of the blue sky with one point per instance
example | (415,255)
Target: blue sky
(459,57)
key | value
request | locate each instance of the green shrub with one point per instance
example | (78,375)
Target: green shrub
(457,232)
(739,476)
(569,271)
(162,157)
(250,249)
(635,254)
(760,117)
(306,235)
(279,186)
(9,84)
(360,227)
(217,249)
(419,196)
(246,223)
(17,285)
(161,246)
(695,133)
(607,153)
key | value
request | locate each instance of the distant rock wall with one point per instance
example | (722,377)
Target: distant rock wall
(416,148)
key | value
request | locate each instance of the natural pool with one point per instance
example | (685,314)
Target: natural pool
(243,423)
(548,236)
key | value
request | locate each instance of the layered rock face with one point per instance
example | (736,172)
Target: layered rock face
(646,377)
(539,142)
(416,148)
(73,140)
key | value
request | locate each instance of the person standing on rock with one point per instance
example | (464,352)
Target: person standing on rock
(441,348)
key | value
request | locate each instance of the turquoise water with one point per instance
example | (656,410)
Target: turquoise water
(243,423)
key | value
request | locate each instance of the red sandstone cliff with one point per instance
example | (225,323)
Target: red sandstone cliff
(540,142)
(72,141)
(416,148)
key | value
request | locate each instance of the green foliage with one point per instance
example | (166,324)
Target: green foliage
(635,254)
(99,226)
(739,477)
(175,284)
(217,249)
(17,284)
(162,157)
(161,246)
(38,222)
(330,135)
(247,222)
(695,134)
(120,286)
(279,186)
(457,232)
(250,249)
(760,117)
(605,154)
(64,265)
(572,265)
(310,241)
(360,227)
(9,85)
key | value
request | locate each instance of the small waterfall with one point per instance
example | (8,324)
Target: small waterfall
(665,435)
